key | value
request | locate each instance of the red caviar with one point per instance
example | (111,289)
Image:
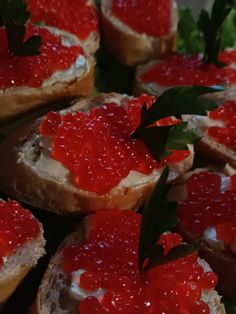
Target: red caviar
(227,134)
(228,56)
(17,226)
(110,256)
(96,146)
(184,70)
(74,16)
(32,71)
(207,206)
(152,17)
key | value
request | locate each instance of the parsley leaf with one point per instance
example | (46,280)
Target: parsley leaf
(14,15)
(160,140)
(210,26)
(159,215)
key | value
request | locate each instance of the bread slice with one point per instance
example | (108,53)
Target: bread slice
(131,47)
(223,262)
(156,89)
(90,43)
(209,148)
(18,264)
(75,81)
(31,175)
(54,294)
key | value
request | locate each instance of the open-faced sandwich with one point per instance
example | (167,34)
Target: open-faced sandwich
(21,245)
(213,67)
(101,153)
(78,17)
(137,31)
(207,210)
(39,64)
(115,262)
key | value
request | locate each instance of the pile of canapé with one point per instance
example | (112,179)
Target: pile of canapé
(100,157)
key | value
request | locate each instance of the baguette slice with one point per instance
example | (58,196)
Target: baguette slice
(54,296)
(31,175)
(223,262)
(131,47)
(156,89)
(209,148)
(90,43)
(18,264)
(78,80)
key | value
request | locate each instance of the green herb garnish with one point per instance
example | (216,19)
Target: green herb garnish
(159,215)
(210,25)
(14,15)
(173,102)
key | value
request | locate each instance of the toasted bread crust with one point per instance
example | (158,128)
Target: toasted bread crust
(21,179)
(132,48)
(19,264)
(18,100)
(223,263)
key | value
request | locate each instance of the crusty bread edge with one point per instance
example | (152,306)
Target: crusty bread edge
(212,298)
(14,270)
(15,101)
(130,47)
(22,182)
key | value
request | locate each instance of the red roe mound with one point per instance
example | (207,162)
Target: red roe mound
(225,135)
(32,71)
(183,70)
(74,16)
(110,258)
(208,206)
(96,146)
(152,17)
(17,226)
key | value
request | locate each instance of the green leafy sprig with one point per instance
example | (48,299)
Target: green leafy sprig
(159,215)
(173,102)
(14,15)
(210,26)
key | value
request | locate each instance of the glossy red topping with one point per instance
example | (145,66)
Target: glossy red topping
(183,70)
(109,257)
(152,18)
(74,16)
(17,226)
(208,206)
(228,56)
(226,134)
(96,145)
(32,71)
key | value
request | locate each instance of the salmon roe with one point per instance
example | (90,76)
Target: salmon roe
(227,134)
(184,70)
(17,226)
(33,70)
(228,56)
(109,258)
(207,206)
(97,148)
(74,16)
(152,17)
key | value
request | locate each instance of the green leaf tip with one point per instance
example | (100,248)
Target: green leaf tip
(14,15)
(159,215)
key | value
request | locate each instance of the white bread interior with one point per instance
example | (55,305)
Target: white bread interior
(29,173)
(130,47)
(78,80)
(54,297)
